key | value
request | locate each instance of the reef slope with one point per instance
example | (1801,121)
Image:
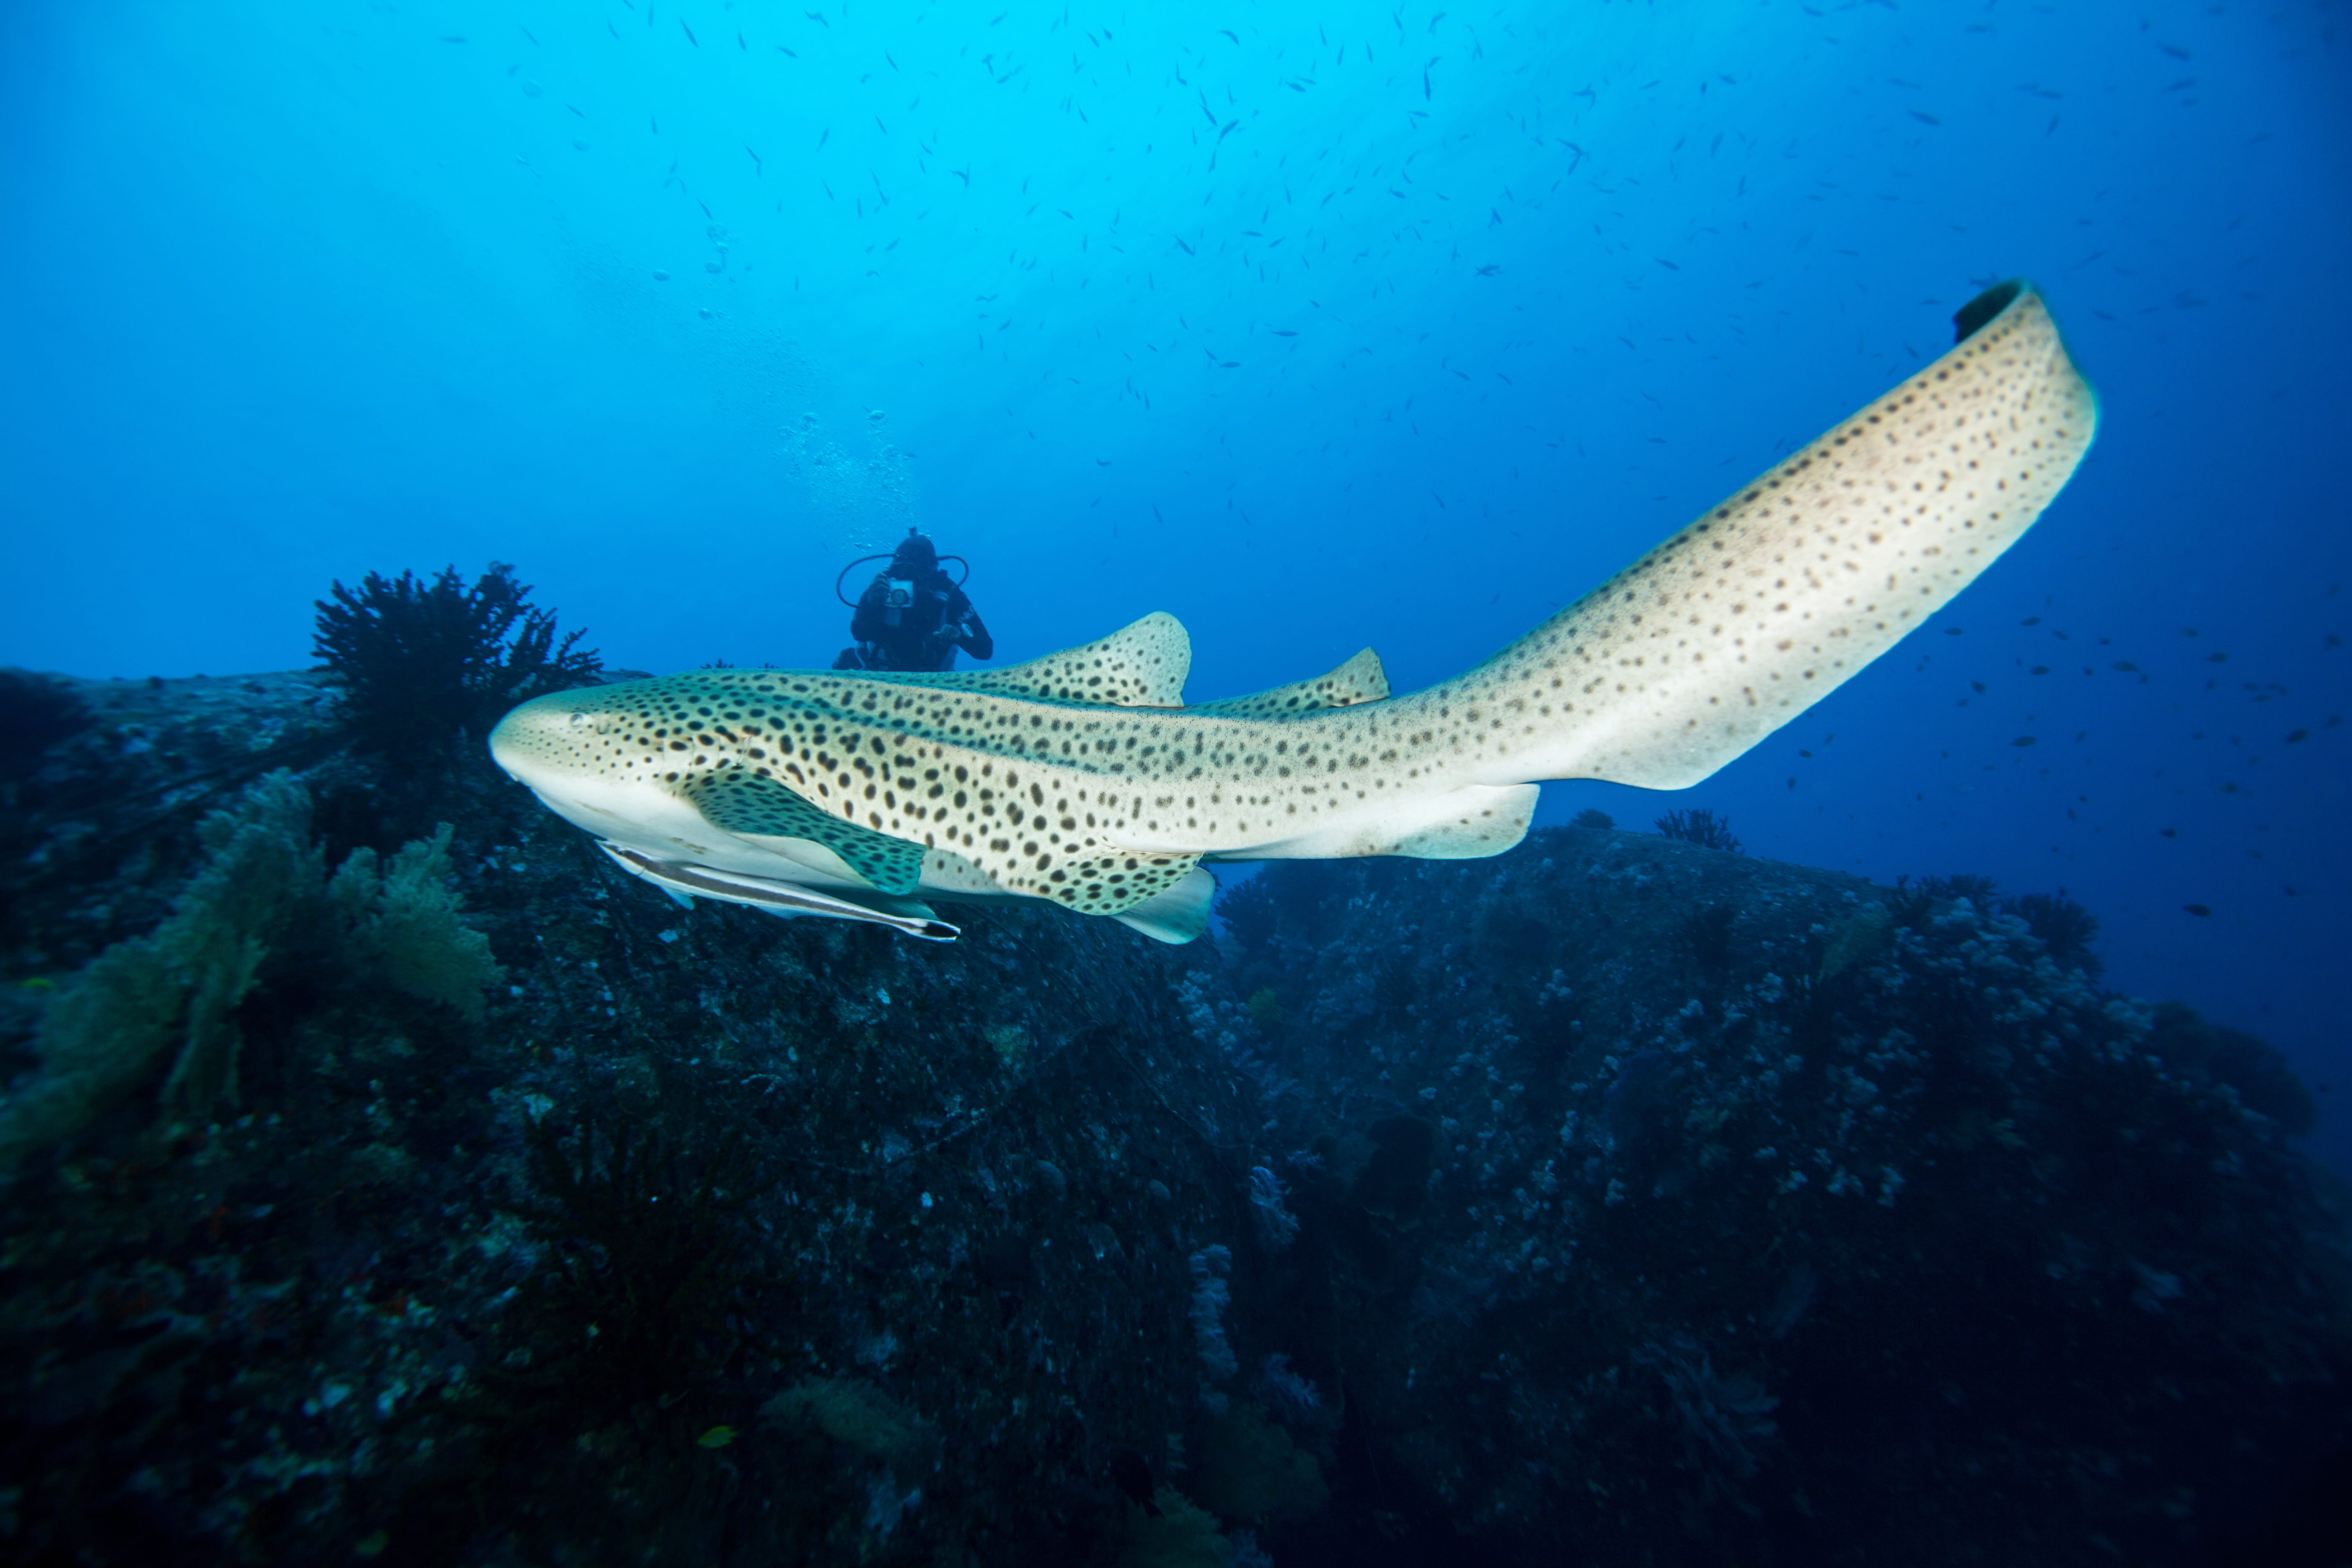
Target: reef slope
(1616,1201)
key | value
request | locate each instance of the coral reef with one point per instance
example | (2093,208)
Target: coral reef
(1673,1231)
(1618,1201)
(2216,1055)
(1247,908)
(1251,1472)
(1180,1535)
(1210,1297)
(1277,1227)
(260,894)
(402,925)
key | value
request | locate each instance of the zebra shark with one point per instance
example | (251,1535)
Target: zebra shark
(1083,779)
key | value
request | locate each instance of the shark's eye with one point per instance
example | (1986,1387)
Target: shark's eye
(581,721)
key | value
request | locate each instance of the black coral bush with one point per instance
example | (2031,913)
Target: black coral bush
(1699,826)
(425,665)
(35,713)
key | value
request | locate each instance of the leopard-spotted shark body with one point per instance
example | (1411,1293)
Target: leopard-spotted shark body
(1082,779)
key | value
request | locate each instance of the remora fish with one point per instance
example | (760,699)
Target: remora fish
(1082,779)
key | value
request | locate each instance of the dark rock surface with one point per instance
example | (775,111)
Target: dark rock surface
(1616,1201)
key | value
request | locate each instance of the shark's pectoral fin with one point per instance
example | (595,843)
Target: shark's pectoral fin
(684,882)
(1141,665)
(736,800)
(1467,824)
(1361,679)
(1176,915)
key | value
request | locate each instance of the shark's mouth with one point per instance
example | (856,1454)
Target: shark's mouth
(685,880)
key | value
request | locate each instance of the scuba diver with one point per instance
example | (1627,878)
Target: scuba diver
(913,616)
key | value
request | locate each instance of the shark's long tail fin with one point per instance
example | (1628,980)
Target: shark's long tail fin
(1756,612)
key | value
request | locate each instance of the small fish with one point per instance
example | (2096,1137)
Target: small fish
(2200,910)
(717,1437)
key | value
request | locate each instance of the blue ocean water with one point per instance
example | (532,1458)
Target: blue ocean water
(1317,326)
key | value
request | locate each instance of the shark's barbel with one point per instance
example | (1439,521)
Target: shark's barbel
(1082,779)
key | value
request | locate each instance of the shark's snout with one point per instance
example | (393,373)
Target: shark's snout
(561,734)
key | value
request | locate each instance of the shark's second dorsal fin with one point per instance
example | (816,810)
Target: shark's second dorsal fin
(1142,664)
(1361,679)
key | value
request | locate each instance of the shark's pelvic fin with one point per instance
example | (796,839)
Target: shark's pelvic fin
(1361,679)
(739,800)
(1467,824)
(1141,665)
(1177,915)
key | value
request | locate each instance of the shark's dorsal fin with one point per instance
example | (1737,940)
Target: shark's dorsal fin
(1361,679)
(1142,664)
(736,800)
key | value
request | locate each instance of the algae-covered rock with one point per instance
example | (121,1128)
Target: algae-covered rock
(1178,1534)
(1251,1472)
(859,1417)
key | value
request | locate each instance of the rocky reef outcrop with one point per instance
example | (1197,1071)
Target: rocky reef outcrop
(1619,1200)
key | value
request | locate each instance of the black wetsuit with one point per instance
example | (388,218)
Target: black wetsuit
(923,636)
